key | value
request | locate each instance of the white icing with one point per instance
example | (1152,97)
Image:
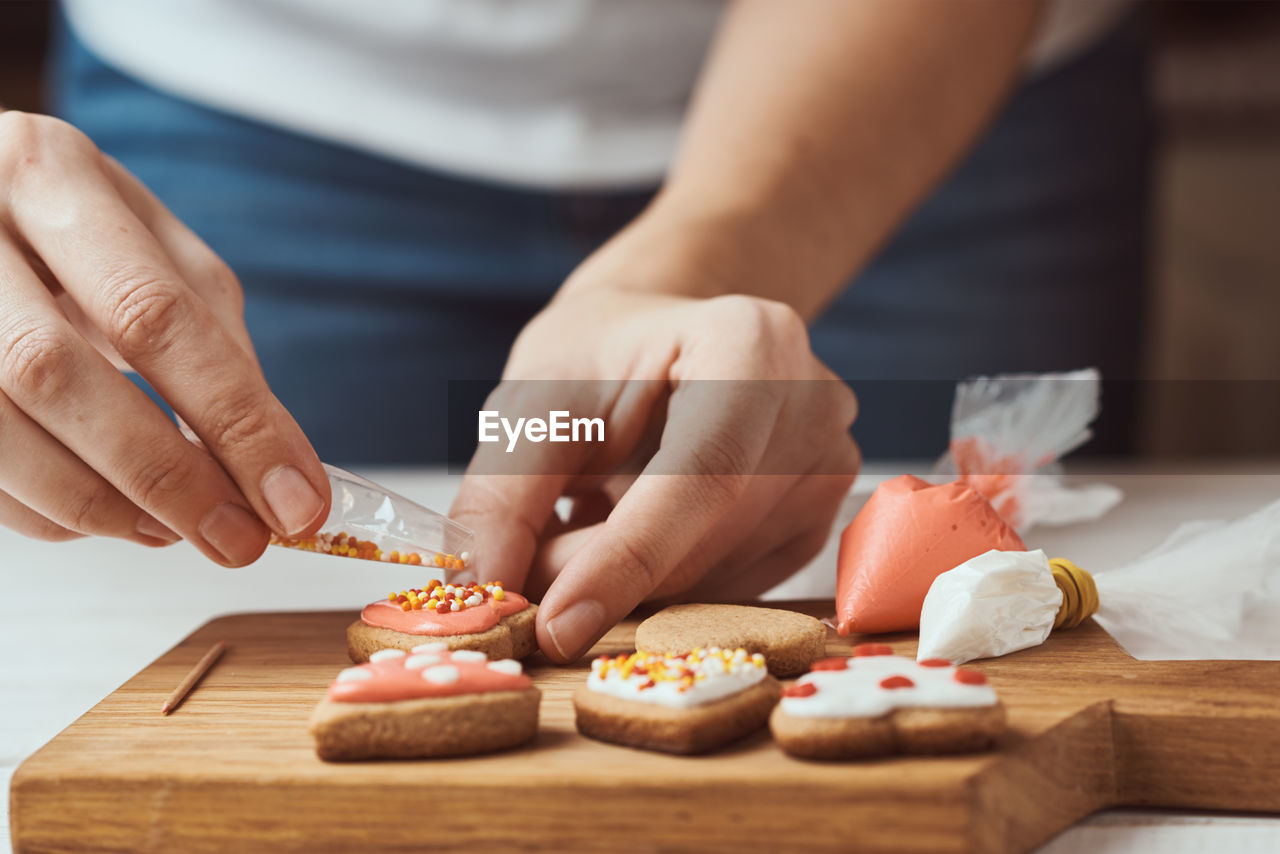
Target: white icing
(856,692)
(355,674)
(717,683)
(387,654)
(469,655)
(509,666)
(422,659)
(442,674)
(435,646)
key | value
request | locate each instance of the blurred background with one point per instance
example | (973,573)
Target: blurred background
(1214,351)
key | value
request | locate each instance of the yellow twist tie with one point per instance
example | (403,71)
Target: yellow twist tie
(1079,593)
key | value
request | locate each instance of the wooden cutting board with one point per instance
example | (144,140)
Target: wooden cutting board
(233,768)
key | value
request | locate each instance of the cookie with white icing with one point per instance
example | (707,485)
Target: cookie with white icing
(429,701)
(790,642)
(876,703)
(482,617)
(688,703)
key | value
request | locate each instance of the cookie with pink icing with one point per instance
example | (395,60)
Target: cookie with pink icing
(426,701)
(875,703)
(482,617)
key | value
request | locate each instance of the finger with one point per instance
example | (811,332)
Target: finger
(115,269)
(508,498)
(761,575)
(199,266)
(16,516)
(801,520)
(41,473)
(715,436)
(508,493)
(554,553)
(49,372)
(774,509)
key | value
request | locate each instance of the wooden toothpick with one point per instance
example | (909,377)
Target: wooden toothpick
(193,676)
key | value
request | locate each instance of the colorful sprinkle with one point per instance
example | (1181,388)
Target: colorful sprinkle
(684,670)
(345,545)
(446,598)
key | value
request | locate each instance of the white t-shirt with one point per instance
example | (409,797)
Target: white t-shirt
(542,93)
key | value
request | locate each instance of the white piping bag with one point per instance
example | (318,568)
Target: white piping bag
(1211,591)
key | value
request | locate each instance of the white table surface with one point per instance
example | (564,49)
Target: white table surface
(131,604)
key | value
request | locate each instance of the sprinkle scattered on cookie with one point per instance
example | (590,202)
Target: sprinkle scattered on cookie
(343,544)
(438,596)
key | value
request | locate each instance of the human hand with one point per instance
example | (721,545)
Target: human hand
(753,460)
(96,275)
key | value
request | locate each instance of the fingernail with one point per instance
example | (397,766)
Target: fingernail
(574,628)
(292,498)
(150,526)
(234,532)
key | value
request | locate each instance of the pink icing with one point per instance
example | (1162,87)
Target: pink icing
(392,681)
(478,618)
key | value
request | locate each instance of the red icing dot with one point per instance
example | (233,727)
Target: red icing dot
(804,689)
(934,662)
(892,682)
(864,649)
(969,677)
(831,664)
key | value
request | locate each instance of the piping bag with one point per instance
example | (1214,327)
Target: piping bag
(1211,591)
(1007,435)
(371,522)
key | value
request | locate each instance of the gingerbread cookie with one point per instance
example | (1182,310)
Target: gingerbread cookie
(790,642)
(688,703)
(876,703)
(481,617)
(432,701)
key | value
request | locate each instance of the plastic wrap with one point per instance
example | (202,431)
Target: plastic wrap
(371,522)
(1007,435)
(1211,591)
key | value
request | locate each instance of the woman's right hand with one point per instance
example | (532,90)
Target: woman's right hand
(95,275)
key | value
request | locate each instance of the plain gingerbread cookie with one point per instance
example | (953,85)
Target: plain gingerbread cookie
(790,642)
